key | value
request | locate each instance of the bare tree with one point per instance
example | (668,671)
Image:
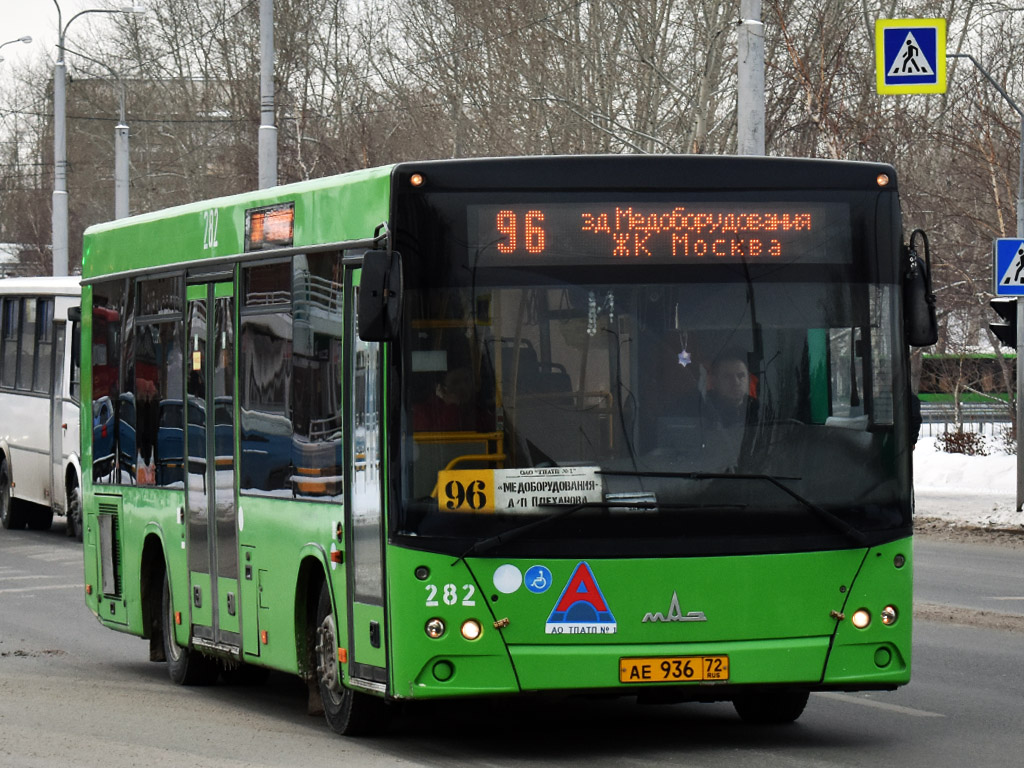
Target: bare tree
(378,81)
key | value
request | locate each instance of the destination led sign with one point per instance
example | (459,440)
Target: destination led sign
(715,233)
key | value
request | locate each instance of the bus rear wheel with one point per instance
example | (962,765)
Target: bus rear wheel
(771,707)
(185,666)
(11,517)
(75,512)
(348,712)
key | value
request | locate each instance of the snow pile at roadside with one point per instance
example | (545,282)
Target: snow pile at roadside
(966,490)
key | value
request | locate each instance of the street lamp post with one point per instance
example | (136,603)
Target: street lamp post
(60,156)
(750,80)
(122,178)
(26,39)
(267,136)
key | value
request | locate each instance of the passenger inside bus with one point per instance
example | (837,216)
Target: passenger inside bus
(730,401)
(714,408)
(452,406)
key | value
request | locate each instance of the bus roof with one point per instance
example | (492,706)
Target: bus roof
(40,286)
(333,209)
(641,172)
(350,206)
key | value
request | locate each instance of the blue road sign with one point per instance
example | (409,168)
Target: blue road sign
(910,55)
(1008,266)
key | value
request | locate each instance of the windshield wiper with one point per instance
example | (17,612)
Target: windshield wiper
(831,518)
(489,543)
(515,533)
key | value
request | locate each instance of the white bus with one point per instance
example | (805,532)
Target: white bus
(40,472)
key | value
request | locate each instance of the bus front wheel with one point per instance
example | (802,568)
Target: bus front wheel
(348,712)
(10,515)
(185,666)
(74,511)
(771,707)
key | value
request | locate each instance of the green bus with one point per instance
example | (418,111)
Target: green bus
(596,425)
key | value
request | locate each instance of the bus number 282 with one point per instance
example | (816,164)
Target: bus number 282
(449,593)
(211,218)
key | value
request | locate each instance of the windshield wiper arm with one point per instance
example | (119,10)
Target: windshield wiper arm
(831,518)
(489,543)
(515,533)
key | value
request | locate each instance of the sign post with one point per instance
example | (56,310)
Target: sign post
(1008,279)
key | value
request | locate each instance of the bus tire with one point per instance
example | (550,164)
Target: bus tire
(11,517)
(75,526)
(184,665)
(771,707)
(347,712)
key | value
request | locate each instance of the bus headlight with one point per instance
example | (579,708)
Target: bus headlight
(471,629)
(889,615)
(434,628)
(861,618)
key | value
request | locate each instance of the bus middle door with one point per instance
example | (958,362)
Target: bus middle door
(212,527)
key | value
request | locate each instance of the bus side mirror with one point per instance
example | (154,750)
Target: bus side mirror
(75,314)
(920,324)
(380,296)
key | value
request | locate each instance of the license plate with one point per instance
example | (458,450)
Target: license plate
(674,669)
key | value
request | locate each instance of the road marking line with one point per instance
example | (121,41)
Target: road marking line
(29,550)
(1008,597)
(879,705)
(40,589)
(57,557)
(25,578)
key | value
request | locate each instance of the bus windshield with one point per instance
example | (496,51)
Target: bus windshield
(680,409)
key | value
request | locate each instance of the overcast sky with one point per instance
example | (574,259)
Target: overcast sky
(38,18)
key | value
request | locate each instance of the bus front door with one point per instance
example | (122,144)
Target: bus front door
(58,423)
(363,497)
(212,527)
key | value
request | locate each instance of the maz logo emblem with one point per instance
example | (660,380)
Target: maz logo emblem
(675,613)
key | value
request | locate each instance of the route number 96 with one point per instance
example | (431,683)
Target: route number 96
(461,496)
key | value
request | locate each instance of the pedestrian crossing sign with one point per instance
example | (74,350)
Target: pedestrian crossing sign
(1008,269)
(910,55)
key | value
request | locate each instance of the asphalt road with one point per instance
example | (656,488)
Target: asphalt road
(974,576)
(73,693)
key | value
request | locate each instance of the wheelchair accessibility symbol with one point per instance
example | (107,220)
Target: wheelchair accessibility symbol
(538,579)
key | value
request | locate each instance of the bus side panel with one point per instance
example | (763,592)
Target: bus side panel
(106,548)
(29,445)
(276,537)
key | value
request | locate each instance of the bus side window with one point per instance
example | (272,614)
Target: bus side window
(9,363)
(42,380)
(108,305)
(29,309)
(76,355)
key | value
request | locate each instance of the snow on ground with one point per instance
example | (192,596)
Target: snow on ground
(967,490)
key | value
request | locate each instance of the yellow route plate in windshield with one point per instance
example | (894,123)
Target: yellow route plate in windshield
(517,491)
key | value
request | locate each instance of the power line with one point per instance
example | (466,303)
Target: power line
(133,120)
